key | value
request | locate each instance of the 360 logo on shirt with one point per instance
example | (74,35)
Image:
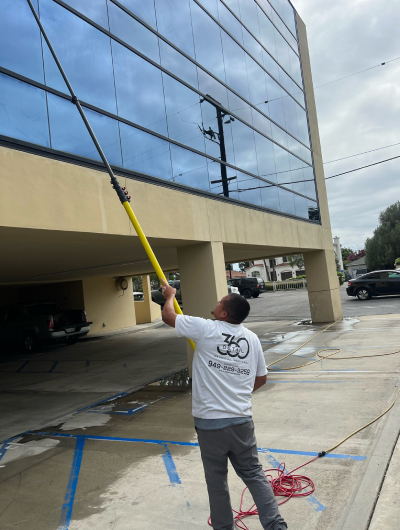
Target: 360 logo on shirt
(239,348)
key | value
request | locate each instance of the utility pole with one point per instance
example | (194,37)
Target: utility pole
(267,269)
(220,116)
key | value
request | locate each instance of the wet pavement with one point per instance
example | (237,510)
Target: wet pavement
(133,461)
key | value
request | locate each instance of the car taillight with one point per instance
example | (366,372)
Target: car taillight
(258,286)
(50,323)
(349,283)
(85,316)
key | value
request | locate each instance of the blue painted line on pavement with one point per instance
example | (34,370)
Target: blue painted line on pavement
(312,501)
(22,366)
(68,505)
(170,467)
(312,453)
(188,444)
(122,394)
(52,368)
(5,445)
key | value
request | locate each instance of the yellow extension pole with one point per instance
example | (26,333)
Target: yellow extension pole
(150,254)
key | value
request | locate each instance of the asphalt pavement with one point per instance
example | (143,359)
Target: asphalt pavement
(293,304)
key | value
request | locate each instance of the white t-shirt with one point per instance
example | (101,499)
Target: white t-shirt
(227,359)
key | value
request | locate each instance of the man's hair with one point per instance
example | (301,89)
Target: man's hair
(237,308)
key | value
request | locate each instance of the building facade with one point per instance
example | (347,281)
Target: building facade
(205,110)
(275,269)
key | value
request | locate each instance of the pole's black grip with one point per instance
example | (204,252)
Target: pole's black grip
(322,453)
(121,192)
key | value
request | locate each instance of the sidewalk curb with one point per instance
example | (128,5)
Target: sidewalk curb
(359,514)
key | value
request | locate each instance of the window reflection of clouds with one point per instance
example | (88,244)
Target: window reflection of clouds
(84,53)
(20,48)
(23,113)
(163,104)
(174,22)
(133,32)
(68,132)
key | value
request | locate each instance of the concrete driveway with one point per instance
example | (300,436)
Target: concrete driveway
(133,462)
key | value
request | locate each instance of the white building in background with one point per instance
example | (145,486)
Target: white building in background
(337,247)
(265,269)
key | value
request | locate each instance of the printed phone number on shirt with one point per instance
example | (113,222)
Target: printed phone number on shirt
(227,368)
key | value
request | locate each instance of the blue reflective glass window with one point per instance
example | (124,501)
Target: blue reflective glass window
(306,154)
(96,10)
(292,41)
(235,66)
(266,7)
(308,173)
(143,10)
(303,125)
(257,82)
(286,201)
(276,112)
(23,111)
(230,22)
(189,168)
(249,17)
(239,107)
(313,211)
(68,132)
(298,181)
(183,113)
(260,122)
(301,206)
(215,174)
(270,197)
(286,12)
(234,5)
(295,67)
(248,189)
(279,135)
(145,153)
(274,90)
(295,147)
(282,164)
(133,32)
(252,46)
(265,157)
(84,53)
(174,22)
(207,40)
(178,64)
(211,6)
(299,96)
(20,48)
(289,109)
(208,85)
(139,88)
(287,82)
(267,33)
(244,147)
(270,65)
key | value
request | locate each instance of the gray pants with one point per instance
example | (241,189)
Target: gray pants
(238,443)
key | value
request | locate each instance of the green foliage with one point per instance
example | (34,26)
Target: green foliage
(346,252)
(397,262)
(301,277)
(383,247)
(296,261)
(341,277)
(137,284)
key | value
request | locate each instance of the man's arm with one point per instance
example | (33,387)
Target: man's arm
(168,313)
(259,382)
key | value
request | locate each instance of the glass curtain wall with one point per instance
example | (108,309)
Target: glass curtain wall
(203,93)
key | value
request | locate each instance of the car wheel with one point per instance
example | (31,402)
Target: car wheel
(30,342)
(363,294)
(247,293)
(256,295)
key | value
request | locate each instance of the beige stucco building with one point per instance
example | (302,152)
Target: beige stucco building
(64,235)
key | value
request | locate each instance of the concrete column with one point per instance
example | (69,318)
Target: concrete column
(203,280)
(106,304)
(146,310)
(323,286)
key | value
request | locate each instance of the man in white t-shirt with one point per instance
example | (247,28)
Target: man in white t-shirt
(228,366)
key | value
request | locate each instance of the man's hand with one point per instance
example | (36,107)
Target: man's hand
(168,313)
(167,290)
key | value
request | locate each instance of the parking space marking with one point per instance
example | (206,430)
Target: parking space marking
(69,500)
(170,467)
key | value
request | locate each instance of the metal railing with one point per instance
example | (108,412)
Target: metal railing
(286,285)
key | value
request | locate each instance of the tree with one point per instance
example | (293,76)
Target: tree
(346,252)
(356,255)
(228,267)
(383,247)
(397,263)
(296,261)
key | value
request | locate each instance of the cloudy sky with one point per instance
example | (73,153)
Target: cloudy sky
(359,113)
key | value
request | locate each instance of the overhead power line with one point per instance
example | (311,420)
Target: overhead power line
(363,153)
(359,72)
(362,167)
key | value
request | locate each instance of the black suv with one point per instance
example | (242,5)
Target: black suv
(248,287)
